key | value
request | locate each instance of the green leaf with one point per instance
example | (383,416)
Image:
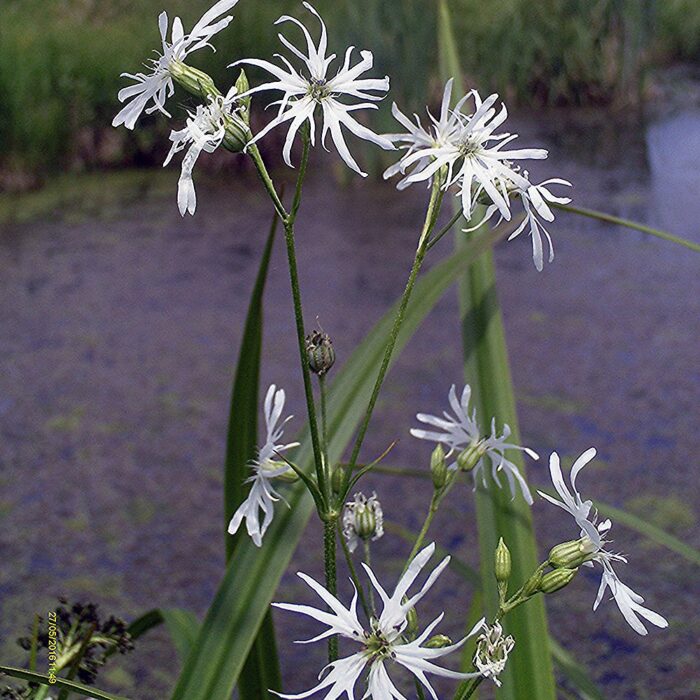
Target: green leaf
(529,672)
(72,686)
(261,671)
(650,531)
(183,626)
(253,574)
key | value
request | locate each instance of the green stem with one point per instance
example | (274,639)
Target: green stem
(435,501)
(288,221)
(468,688)
(430,218)
(355,578)
(329,530)
(445,229)
(324,439)
(609,218)
(368,562)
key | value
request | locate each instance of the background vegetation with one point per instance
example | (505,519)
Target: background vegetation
(60,60)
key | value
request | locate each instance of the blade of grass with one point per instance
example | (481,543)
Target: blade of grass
(252,576)
(62,683)
(261,672)
(574,672)
(183,627)
(609,218)
(529,672)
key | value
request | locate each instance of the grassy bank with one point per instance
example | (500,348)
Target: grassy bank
(60,60)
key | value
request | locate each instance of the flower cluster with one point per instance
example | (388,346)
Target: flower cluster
(466,147)
(461,434)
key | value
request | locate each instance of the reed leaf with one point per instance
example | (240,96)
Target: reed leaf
(261,672)
(529,672)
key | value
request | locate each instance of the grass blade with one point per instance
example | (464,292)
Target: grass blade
(574,672)
(529,672)
(62,683)
(183,627)
(252,576)
(609,218)
(261,671)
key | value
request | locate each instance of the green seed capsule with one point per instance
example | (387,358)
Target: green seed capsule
(320,352)
(557,579)
(568,555)
(438,467)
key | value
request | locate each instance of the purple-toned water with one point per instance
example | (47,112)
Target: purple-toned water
(119,330)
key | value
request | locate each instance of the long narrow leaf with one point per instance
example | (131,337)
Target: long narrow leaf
(62,683)
(574,672)
(529,672)
(183,627)
(252,576)
(261,672)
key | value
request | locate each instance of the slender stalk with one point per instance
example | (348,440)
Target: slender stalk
(324,438)
(288,221)
(430,218)
(466,689)
(435,502)
(355,578)
(368,561)
(445,229)
(329,539)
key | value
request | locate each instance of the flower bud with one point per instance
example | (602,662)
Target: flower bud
(320,352)
(469,458)
(557,579)
(502,567)
(194,81)
(438,467)
(568,555)
(438,642)
(362,520)
(412,623)
(242,86)
(337,479)
(532,585)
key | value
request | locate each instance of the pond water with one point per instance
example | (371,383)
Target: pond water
(119,331)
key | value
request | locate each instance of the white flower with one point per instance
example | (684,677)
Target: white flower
(262,495)
(304,93)
(382,642)
(417,137)
(157,85)
(362,520)
(460,432)
(492,650)
(472,153)
(204,131)
(594,536)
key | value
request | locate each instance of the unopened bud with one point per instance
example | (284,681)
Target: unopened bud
(320,352)
(532,585)
(469,458)
(438,642)
(557,579)
(502,567)
(337,479)
(412,623)
(568,555)
(194,81)
(242,86)
(438,467)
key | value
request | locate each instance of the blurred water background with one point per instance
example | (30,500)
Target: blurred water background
(120,321)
